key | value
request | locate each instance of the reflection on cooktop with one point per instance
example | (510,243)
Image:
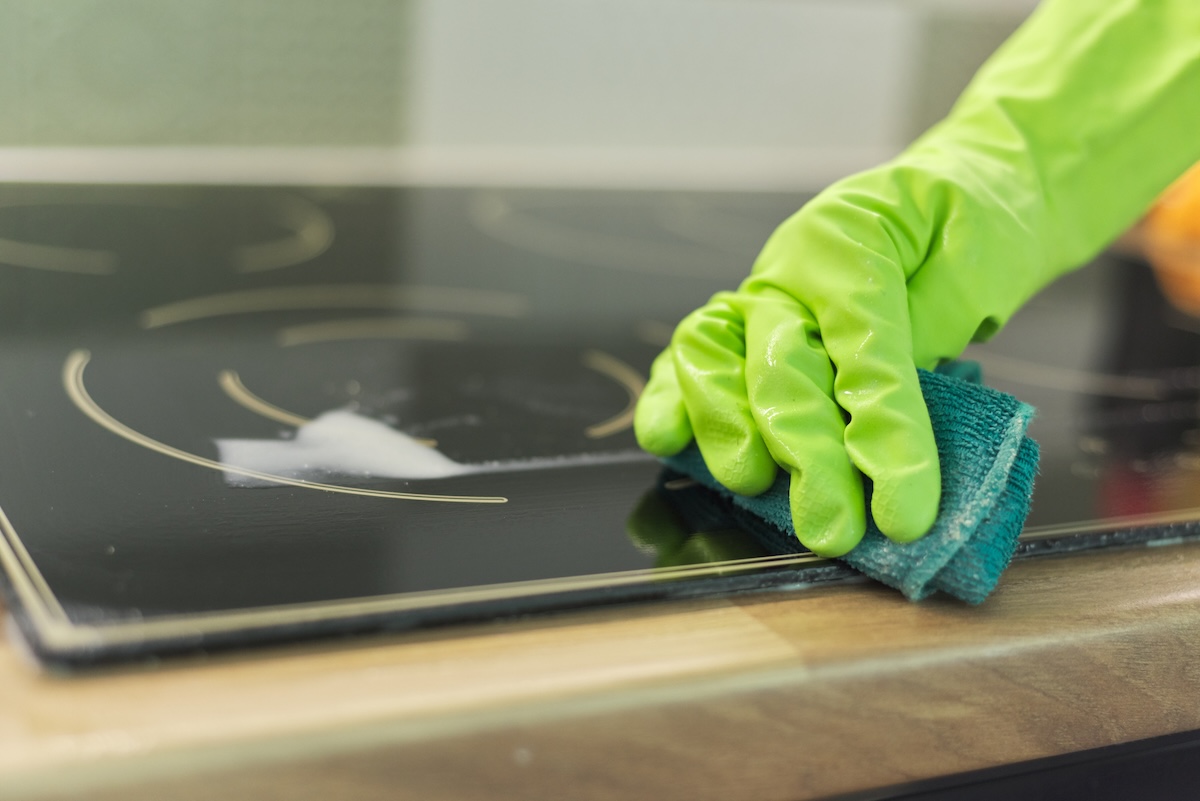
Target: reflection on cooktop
(234,415)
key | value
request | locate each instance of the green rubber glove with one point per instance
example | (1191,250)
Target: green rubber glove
(1063,138)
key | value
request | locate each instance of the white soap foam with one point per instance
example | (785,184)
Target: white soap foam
(343,443)
(338,442)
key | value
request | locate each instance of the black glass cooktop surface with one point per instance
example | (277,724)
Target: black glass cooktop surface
(237,415)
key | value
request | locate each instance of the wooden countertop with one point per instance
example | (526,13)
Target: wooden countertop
(774,696)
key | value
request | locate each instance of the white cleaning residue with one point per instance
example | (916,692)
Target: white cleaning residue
(342,443)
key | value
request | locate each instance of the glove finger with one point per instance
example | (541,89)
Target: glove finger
(889,437)
(935,337)
(660,420)
(789,380)
(709,354)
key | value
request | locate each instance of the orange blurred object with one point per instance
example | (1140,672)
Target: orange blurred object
(1170,238)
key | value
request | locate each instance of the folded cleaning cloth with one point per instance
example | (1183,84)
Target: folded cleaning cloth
(988,467)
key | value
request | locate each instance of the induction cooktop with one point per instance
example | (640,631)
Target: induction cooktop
(236,415)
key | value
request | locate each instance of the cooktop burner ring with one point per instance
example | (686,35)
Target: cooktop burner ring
(310,232)
(72,375)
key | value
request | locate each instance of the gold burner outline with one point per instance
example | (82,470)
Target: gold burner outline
(306,297)
(72,376)
(310,233)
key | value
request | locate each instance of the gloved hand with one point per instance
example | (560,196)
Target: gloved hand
(1064,137)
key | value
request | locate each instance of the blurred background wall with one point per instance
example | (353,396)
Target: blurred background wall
(211,72)
(789,92)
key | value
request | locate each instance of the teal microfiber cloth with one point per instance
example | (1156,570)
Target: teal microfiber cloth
(988,467)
